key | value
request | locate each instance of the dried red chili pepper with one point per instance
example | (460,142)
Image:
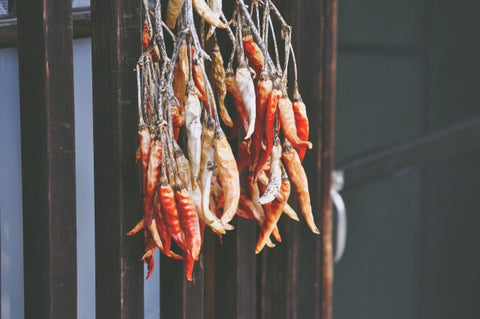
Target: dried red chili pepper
(162,227)
(181,74)
(189,220)
(219,77)
(253,53)
(232,88)
(273,212)
(301,121)
(269,129)
(172,219)
(264,91)
(145,140)
(287,119)
(200,82)
(188,264)
(146,37)
(153,172)
(300,184)
(275,181)
(244,158)
(138,227)
(276,233)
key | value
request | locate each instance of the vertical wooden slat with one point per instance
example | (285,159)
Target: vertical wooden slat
(235,272)
(48,158)
(328,139)
(296,276)
(180,298)
(116,46)
(11,7)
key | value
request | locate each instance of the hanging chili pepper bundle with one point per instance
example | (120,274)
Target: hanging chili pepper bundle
(190,173)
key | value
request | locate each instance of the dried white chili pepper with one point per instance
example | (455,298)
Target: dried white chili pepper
(216,6)
(247,90)
(207,14)
(227,174)
(276,175)
(207,165)
(193,111)
(173,10)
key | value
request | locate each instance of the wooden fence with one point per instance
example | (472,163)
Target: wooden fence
(293,280)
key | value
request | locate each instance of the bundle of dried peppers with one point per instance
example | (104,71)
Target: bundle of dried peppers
(191,176)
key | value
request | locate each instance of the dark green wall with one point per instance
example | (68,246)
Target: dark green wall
(406,69)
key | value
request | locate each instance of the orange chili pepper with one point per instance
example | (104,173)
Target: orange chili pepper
(144,148)
(178,115)
(180,74)
(269,129)
(200,82)
(250,208)
(290,212)
(273,212)
(138,227)
(172,219)
(150,266)
(287,209)
(300,184)
(301,121)
(227,174)
(276,234)
(253,53)
(287,119)
(264,90)
(146,37)
(232,88)
(188,264)
(253,192)
(189,220)
(153,172)
(219,77)
(162,227)
(244,157)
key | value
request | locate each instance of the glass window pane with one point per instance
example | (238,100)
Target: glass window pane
(80,3)
(3,7)
(10,188)
(84,178)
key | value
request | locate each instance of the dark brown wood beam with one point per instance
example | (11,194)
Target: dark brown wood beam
(116,46)
(48,158)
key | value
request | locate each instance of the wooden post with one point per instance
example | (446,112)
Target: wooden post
(48,158)
(116,46)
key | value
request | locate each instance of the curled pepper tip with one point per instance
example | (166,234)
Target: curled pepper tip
(228,226)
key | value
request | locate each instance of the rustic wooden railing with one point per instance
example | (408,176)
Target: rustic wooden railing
(294,280)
